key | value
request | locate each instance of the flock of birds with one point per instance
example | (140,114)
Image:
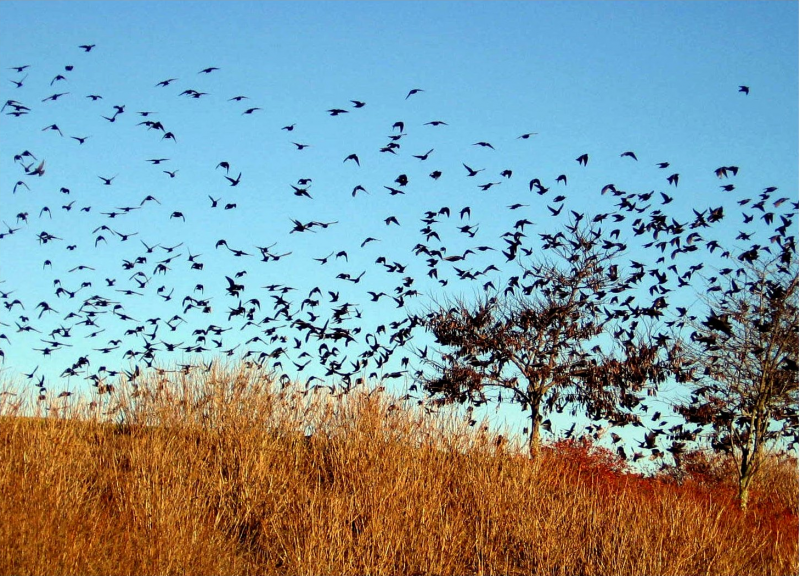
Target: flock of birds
(98,323)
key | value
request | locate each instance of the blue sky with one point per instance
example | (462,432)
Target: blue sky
(657,78)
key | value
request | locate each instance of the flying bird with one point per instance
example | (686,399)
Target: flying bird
(745,89)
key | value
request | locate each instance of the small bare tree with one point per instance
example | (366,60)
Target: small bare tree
(569,337)
(743,358)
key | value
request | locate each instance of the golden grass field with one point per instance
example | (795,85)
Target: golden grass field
(227,473)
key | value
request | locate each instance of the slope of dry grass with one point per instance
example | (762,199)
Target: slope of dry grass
(233,474)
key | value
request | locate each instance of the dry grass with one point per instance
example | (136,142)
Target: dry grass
(230,474)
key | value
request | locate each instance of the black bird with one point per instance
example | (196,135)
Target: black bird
(484,145)
(352,157)
(208,70)
(471,171)
(86,47)
(414,91)
(52,127)
(358,103)
(629,154)
(18,83)
(55,97)
(583,159)
(166,82)
(234,182)
(745,89)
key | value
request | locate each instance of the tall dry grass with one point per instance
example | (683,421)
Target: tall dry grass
(230,472)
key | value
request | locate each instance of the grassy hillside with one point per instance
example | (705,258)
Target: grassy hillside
(235,475)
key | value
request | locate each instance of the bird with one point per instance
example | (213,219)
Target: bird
(208,70)
(472,172)
(414,91)
(583,159)
(352,157)
(629,154)
(53,127)
(86,47)
(744,89)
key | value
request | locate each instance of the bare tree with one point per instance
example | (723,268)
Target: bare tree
(743,361)
(570,337)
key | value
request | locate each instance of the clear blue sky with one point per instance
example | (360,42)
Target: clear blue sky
(660,79)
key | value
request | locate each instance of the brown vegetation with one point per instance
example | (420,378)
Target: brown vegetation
(235,474)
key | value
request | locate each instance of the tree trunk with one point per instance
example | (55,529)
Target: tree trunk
(534,440)
(744,492)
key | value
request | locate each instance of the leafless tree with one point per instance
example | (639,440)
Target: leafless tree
(743,362)
(567,335)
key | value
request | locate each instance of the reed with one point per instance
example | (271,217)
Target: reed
(233,472)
